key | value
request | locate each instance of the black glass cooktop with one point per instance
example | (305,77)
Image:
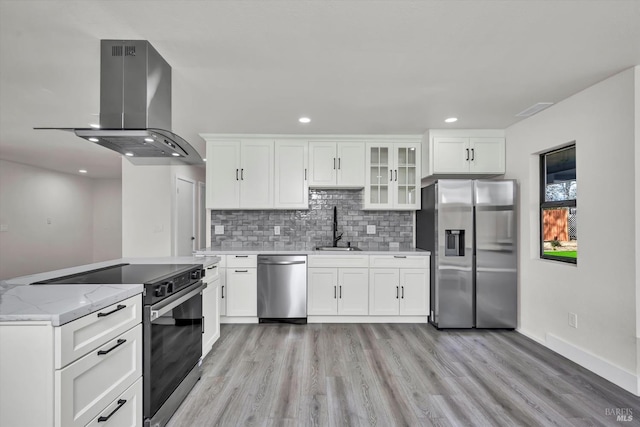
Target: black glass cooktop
(122,274)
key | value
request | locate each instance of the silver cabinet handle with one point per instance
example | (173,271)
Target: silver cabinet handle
(390,175)
(242,271)
(335,292)
(396,175)
(237,175)
(241,256)
(338,162)
(399,256)
(222,291)
(473,154)
(340,291)
(241,174)
(467,159)
(305,174)
(397,292)
(402,291)
(334,163)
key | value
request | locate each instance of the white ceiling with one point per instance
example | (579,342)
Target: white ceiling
(354,67)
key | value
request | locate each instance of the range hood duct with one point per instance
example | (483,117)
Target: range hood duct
(135,106)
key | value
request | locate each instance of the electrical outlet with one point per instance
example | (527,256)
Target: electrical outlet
(218,229)
(371,229)
(276,230)
(573,320)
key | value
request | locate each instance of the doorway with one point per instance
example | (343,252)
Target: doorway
(185,217)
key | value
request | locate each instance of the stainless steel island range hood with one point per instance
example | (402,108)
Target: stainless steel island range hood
(135,106)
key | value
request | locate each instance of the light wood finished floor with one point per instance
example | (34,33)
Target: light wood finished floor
(393,375)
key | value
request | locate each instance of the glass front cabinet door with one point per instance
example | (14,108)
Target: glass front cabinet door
(393,176)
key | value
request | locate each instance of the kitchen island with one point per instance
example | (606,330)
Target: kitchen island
(72,354)
(59,304)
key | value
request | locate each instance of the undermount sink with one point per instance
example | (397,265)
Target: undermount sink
(340,248)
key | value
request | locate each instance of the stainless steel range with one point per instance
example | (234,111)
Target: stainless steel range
(172,329)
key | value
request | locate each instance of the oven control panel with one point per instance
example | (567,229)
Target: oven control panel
(161,290)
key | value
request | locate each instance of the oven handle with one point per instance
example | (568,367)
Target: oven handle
(175,300)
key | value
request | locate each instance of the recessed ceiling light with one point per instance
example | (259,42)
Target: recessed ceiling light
(94,125)
(149,139)
(94,139)
(175,154)
(304,119)
(451,120)
(128,154)
(82,171)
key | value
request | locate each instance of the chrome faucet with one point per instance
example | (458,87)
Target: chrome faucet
(336,237)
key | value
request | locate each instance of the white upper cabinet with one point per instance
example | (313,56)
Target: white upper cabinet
(336,164)
(470,153)
(240,174)
(392,176)
(291,175)
(223,185)
(487,155)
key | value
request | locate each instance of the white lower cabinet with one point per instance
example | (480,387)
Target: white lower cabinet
(73,374)
(241,286)
(398,292)
(87,386)
(210,308)
(242,292)
(124,411)
(337,291)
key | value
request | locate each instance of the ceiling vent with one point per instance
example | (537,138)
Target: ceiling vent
(536,108)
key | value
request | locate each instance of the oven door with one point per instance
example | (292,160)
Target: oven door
(172,344)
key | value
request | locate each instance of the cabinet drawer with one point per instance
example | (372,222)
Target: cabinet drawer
(337,261)
(211,273)
(399,261)
(84,388)
(77,338)
(124,411)
(246,261)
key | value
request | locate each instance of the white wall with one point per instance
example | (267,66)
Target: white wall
(29,196)
(107,219)
(637,199)
(601,289)
(148,207)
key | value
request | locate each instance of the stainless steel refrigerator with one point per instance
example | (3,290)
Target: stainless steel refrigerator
(470,228)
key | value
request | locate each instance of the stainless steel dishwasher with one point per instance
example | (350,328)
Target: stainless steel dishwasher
(282,288)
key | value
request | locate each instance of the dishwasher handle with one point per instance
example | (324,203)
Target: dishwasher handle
(281,262)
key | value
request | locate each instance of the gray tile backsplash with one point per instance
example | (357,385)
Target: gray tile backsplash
(306,229)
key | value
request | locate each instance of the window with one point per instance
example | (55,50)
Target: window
(558,209)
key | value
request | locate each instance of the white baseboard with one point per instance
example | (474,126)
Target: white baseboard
(531,337)
(607,370)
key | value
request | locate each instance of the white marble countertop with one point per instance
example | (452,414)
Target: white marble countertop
(209,252)
(60,304)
